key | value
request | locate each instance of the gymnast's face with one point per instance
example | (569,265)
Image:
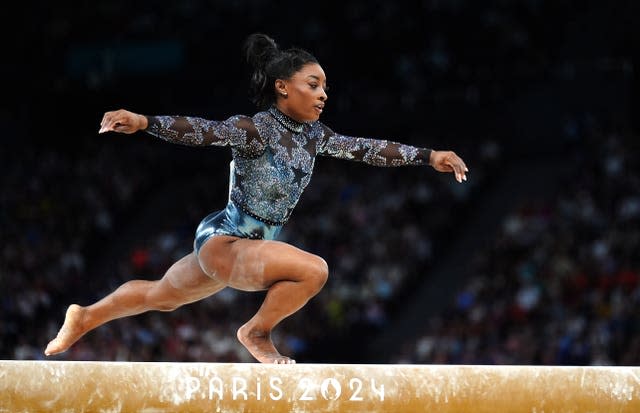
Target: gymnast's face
(303,95)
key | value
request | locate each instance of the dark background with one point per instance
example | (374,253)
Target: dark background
(541,99)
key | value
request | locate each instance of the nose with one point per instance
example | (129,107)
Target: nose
(324,96)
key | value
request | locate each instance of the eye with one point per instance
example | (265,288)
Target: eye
(313,85)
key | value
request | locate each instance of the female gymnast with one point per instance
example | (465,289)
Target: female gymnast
(273,157)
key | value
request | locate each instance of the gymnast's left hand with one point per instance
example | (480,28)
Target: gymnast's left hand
(448,161)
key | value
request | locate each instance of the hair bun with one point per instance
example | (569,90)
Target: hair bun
(259,49)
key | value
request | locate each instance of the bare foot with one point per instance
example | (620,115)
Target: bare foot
(260,346)
(70,332)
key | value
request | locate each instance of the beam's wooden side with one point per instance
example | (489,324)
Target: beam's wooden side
(36,386)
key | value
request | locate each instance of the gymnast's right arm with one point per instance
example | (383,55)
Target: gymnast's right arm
(238,131)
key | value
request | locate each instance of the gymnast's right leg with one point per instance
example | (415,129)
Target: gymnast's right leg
(183,283)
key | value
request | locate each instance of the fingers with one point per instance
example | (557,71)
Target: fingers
(458,166)
(116,121)
(107,123)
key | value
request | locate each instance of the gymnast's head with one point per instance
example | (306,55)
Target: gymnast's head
(290,79)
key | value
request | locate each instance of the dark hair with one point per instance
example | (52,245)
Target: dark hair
(270,63)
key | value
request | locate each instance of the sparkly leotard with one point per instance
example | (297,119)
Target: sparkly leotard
(273,159)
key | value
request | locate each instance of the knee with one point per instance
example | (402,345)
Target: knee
(318,273)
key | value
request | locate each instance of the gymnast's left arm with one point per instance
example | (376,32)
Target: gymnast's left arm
(380,152)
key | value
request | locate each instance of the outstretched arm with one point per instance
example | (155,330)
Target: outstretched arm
(192,131)
(387,153)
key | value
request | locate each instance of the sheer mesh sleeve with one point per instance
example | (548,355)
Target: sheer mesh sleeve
(371,151)
(237,131)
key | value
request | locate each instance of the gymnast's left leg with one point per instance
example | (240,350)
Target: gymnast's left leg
(291,276)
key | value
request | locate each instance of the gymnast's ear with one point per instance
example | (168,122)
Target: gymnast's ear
(281,87)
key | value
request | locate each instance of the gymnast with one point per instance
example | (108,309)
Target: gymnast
(273,157)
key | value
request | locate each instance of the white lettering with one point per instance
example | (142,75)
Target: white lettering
(356,386)
(324,389)
(275,386)
(239,386)
(379,392)
(258,389)
(307,385)
(330,388)
(193,385)
(215,387)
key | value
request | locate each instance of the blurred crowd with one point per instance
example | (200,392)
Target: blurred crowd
(560,284)
(420,56)
(57,209)
(79,215)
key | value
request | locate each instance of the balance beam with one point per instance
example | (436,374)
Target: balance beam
(61,386)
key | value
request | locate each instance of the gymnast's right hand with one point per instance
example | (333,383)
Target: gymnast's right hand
(122,121)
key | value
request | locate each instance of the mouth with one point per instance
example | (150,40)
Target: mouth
(319,108)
